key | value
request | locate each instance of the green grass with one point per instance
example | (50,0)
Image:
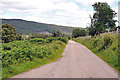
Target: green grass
(56,49)
(104,46)
(17,69)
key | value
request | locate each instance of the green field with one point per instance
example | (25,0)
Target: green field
(20,56)
(105,46)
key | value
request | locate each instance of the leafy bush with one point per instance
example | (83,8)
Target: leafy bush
(107,41)
(7,47)
(39,35)
(9,34)
(37,40)
(17,52)
(95,42)
(78,32)
(65,40)
(69,37)
(50,39)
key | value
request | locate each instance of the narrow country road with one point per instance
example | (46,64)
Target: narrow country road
(77,62)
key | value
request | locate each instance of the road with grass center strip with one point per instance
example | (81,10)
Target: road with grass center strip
(77,62)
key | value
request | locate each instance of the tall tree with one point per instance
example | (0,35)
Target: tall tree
(91,21)
(103,17)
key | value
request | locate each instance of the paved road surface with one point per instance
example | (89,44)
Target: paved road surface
(77,62)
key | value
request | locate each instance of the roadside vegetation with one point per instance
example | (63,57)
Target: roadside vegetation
(102,34)
(105,46)
(21,54)
(9,33)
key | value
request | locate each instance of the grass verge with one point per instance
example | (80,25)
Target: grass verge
(104,46)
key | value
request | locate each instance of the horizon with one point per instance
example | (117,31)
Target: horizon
(65,13)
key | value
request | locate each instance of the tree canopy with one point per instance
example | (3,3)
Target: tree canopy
(58,33)
(9,33)
(78,32)
(103,17)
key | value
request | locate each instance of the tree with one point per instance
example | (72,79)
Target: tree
(103,17)
(57,33)
(91,21)
(9,33)
(78,32)
(53,33)
(63,35)
(119,27)
(91,31)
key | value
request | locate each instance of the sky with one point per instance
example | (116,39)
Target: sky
(73,13)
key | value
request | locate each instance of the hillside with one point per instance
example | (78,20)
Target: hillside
(26,27)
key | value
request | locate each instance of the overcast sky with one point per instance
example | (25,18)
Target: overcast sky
(61,12)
